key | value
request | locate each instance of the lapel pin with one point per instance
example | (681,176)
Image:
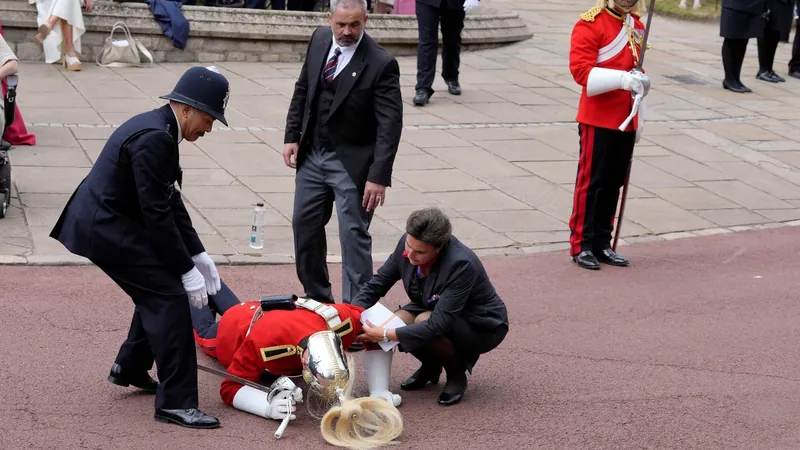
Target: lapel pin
(354,74)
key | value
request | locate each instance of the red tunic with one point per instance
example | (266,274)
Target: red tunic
(597,43)
(272,343)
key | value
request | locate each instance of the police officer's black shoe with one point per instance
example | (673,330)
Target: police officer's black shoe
(453,87)
(189,418)
(141,380)
(422,97)
(611,257)
(587,260)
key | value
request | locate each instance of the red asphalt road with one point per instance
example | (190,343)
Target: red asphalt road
(694,346)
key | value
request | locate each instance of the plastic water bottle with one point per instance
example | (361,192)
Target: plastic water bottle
(257,230)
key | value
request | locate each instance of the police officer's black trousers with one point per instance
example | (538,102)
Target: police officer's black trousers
(428,19)
(160,331)
(602,167)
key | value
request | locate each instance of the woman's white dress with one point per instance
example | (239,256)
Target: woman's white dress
(69,10)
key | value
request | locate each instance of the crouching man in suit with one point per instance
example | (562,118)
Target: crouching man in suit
(128,218)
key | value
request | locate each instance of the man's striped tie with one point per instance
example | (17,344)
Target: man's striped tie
(330,68)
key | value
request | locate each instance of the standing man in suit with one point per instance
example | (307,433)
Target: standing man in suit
(342,133)
(128,218)
(450,13)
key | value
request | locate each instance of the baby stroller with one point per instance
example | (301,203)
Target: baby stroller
(5,164)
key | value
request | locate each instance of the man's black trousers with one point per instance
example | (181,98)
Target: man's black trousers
(428,19)
(602,168)
(160,331)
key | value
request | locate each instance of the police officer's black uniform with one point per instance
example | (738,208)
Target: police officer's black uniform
(127,218)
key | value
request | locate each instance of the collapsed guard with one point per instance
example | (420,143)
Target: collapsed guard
(284,336)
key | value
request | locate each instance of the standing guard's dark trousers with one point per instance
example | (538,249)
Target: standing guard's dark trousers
(602,168)
(160,331)
(428,19)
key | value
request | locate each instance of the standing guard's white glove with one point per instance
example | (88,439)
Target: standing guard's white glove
(602,80)
(209,270)
(470,5)
(195,286)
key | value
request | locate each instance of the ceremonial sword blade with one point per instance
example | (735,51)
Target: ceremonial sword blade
(224,374)
(650,11)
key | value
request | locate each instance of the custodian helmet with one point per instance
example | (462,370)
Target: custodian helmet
(203,88)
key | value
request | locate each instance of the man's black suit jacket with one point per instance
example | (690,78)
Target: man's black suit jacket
(127,210)
(366,117)
(457,286)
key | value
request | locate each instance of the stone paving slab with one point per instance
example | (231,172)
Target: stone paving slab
(500,159)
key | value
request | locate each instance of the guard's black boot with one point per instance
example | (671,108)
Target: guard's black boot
(611,257)
(587,260)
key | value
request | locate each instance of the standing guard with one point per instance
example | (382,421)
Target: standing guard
(604,53)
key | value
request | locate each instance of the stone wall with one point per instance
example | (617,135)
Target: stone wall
(223,34)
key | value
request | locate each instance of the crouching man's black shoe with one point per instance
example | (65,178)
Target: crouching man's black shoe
(140,380)
(189,418)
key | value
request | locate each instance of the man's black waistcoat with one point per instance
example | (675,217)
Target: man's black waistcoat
(321,110)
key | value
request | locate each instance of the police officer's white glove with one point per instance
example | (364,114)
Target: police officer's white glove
(207,267)
(287,384)
(470,5)
(195,286)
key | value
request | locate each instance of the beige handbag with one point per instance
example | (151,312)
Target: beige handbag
(122,53)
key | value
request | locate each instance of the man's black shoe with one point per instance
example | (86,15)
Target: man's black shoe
(587,260)
(422,97)
(611,257)
(189,418)
(453,87)
(140,380)
(795,73)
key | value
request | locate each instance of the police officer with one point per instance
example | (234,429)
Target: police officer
(127,218)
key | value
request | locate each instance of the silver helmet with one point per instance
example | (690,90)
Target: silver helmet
(325,365)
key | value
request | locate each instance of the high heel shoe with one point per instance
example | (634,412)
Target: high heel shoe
(421,378)
(44,31)
(72,63)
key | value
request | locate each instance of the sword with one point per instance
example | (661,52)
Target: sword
(240,380)
(223,374)
(636,102)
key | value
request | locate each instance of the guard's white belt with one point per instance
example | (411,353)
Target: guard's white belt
(327,312)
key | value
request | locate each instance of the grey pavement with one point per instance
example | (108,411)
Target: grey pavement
(501,159)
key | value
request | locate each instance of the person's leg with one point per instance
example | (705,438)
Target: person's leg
(163,311)
(313,204)
(452,25)
(794,63)
(619,150)
(430,367)
(354,237)
(767,46)
(733,52)
(428,48)
(593,149)
(204,320)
